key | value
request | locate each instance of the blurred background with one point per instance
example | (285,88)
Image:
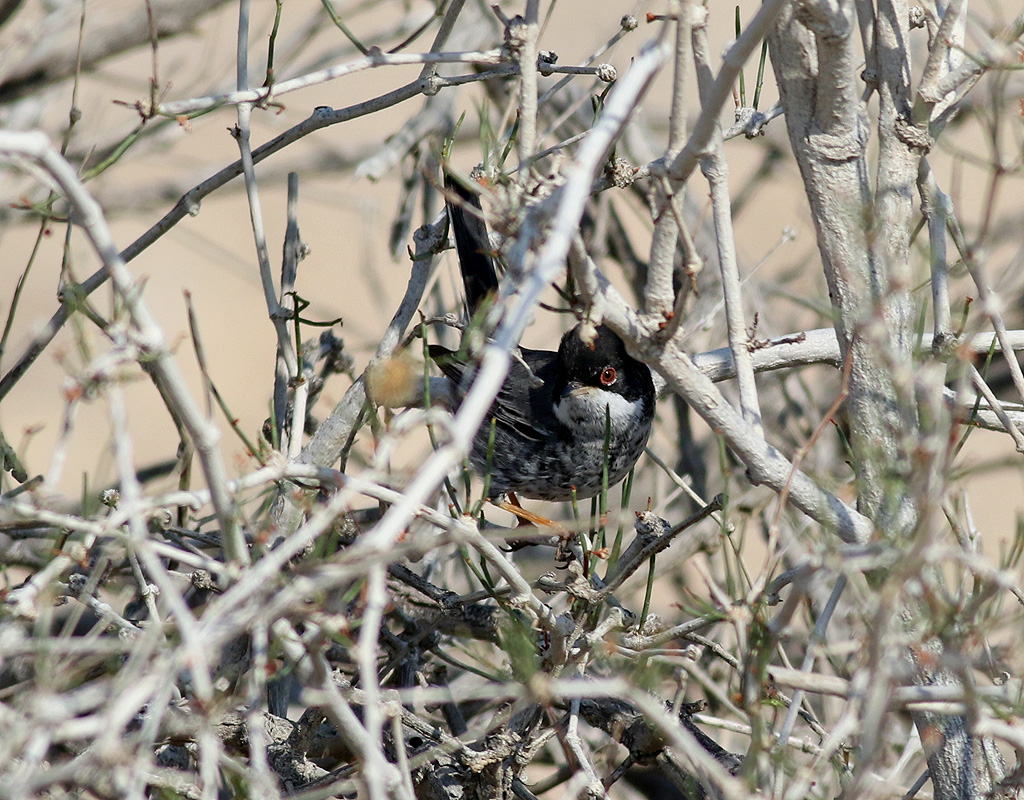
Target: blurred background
(350,193)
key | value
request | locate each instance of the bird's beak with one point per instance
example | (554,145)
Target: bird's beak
(574,387)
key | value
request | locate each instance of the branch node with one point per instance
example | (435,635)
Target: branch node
(916,137)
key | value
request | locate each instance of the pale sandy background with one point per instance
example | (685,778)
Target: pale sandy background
(345,221)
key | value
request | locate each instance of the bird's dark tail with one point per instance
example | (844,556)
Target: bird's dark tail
(473,246)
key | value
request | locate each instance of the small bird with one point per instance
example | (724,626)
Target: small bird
(555,410)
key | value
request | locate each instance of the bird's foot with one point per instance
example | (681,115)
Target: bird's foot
(524,517)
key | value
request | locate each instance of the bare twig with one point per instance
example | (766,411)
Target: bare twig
(146,334)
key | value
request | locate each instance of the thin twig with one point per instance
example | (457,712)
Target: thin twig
(147,333)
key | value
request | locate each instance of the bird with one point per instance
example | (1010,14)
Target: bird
(558,413)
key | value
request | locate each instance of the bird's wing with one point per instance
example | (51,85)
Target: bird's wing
(526,402)
(521,404)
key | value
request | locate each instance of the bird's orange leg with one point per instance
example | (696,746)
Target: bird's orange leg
(525,517)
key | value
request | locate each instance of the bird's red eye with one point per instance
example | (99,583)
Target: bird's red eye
(608,376)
